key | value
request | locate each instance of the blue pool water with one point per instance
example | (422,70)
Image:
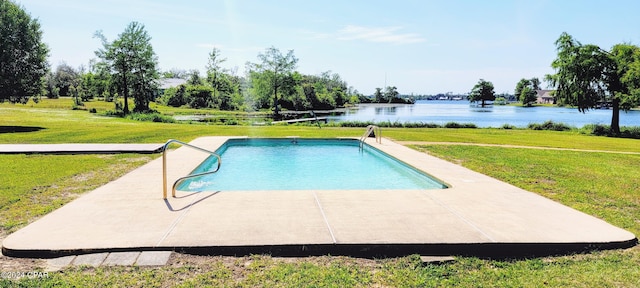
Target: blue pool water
(305,164)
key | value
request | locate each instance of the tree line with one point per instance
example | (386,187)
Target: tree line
(586,76)
(127,68)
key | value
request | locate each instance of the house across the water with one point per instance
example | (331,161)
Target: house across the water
(545,96)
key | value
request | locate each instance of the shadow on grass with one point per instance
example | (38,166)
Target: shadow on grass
(19,129)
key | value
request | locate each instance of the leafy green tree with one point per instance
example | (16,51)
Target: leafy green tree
(587,76)
(528,96)
(226,88)
(90,85)
(337,87)
(175,73)
(626,84)
(65,77)
(339,96)
(291,93)
(194,78)
(214,70)
(51,91)
(378,96)
(23,55)
(526,91)
(482,91)
(77,93)
(200,96)
(102,83)
(273,69)
(175,96)
(323,100)
(321,92)
(535,82)
(390,93)
(230,92)
(133,65)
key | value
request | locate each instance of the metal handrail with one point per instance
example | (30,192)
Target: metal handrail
(376,131)
(164,167)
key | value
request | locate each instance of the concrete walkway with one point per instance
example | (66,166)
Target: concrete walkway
(478,215)
(80,148)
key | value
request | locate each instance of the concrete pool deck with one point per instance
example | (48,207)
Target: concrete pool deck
(478,215)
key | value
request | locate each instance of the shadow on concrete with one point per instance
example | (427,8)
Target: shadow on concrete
(19,129)
(166,201)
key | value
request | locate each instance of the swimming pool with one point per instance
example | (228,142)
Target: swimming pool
(305,164)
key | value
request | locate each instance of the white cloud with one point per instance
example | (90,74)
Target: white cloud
(378,35)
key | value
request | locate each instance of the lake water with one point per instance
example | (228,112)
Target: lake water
(442,112)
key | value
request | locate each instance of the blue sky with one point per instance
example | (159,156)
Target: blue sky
(421,47)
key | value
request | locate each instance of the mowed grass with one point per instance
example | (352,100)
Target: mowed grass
(68,126)
(34,185)
(601,184)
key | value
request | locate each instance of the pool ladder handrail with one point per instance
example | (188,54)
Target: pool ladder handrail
(376,132)
(164,167)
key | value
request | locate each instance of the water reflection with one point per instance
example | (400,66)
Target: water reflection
(441,112)
(385,110)
(482,110)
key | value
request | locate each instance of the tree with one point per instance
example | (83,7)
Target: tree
(483,91)
(90,86)
(390,93)
(194,78)
(214,70)
(587,76)
(626,84)
(378,95)
(175,73)
(102,84)
(199,96)
(23,55)
(65,77)
(526,91)
(133,65)
(51,91)
(274,68)
(175,96)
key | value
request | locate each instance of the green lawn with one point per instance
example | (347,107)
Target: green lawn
(601,184)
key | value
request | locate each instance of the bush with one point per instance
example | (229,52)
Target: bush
(93,110)
(114,113)
(362,124)
(175,97)
(151,117)
(630,132)
(597,129)
(508,127)
(421,125)
(605,130)
(458,125)
(550,125)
